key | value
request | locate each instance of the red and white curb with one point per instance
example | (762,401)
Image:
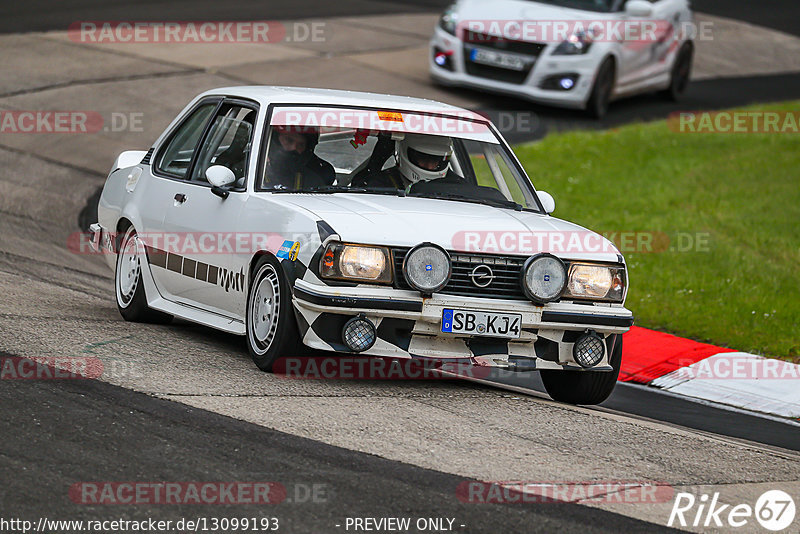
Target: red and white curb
(715,374)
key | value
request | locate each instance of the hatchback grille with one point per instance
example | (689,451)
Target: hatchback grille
(472,39)
(504,45)
(504,285)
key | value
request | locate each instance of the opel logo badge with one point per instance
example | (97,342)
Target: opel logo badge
(482,276)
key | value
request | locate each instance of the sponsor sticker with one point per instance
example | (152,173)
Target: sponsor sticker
(287,249)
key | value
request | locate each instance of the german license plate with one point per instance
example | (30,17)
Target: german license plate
(479,323)
(497,59)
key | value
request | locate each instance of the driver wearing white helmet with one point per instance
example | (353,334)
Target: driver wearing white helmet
(420,158)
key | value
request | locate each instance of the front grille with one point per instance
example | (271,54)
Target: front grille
(504,45)
(472,39)
(506,271)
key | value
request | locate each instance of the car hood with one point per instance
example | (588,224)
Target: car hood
(460,226)
(522,10)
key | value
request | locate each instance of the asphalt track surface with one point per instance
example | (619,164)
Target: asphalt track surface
(58,432)
(93,431)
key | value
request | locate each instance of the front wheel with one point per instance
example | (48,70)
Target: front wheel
(271,327)
(681,73)
(129,288)
(603,87)
(584,387)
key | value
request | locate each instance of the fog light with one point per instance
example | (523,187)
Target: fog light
(588,350)
(443,58)
(359,334)
(567,83)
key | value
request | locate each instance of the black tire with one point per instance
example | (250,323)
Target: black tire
(681,73)
(283,338)
(128,285)
(584,387)
(597,106)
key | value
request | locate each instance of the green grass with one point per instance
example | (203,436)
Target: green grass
(742,191)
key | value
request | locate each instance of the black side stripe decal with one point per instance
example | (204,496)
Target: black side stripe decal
(204,272)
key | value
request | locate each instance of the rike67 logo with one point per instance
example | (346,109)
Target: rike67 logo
(774,510)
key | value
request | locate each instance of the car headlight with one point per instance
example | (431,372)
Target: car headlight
(596,282)
(577,44)
(427,268)
(543,278)
(449,20)
(356,262)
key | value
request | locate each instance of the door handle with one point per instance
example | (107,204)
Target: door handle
(180,198)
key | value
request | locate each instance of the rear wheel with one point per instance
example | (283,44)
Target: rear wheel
(271,327)
(131,297)
(681,73)
(603,87)
(584,387)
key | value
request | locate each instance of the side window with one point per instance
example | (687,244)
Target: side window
(176,157)
(491,168)
(228,143)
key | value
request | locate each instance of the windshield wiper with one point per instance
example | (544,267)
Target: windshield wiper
(342,189)
(462,198)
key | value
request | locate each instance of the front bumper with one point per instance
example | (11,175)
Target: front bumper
(545,66)
(409,326)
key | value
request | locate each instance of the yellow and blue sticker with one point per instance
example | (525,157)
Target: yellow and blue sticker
(289,250)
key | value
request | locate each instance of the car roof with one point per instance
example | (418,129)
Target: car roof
(266,94)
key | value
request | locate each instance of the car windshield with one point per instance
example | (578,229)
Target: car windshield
(599,6)
(392,154)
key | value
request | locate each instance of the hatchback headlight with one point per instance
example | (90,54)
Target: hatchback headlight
(596,282)
(578,44)
(449,20)
(543,278)
(356,262)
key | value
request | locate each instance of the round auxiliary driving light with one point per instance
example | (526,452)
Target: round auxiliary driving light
(544,278)
(427,268)
(588,350)
(359,334)
(567,83)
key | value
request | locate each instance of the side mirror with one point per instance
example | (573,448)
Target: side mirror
(220,176)
(639,8)
(547,200)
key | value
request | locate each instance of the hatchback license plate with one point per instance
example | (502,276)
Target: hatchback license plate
(498,59)
(479,323)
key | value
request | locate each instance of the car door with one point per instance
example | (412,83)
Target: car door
(169,173)
(215,253)
(667,14)
(642,59)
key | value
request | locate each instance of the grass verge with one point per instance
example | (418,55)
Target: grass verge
(729,205)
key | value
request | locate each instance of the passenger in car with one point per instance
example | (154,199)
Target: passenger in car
(292,163)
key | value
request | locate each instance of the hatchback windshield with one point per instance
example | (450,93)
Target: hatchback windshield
(410,155)
(600,6)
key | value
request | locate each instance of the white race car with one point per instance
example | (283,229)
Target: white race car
(571,53)
(361,224)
